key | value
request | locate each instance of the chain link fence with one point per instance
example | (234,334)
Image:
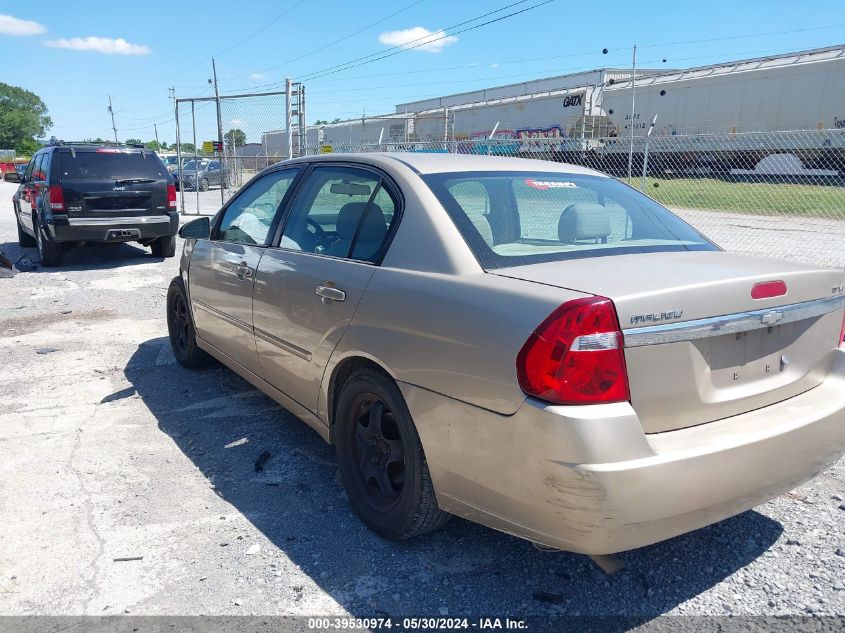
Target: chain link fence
(780,194)
(208,172)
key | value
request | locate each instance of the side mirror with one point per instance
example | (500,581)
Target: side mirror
(13,176)
(199,229)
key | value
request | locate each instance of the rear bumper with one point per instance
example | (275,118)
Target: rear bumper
(587,479)
(125,229)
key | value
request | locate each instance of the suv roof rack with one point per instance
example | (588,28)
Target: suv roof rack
(99,143)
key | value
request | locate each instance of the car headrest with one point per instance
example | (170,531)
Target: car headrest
(375,225)
(583,222)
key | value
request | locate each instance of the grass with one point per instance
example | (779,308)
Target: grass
(825,201)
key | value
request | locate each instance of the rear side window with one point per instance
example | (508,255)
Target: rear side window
(110,164)
(518,218)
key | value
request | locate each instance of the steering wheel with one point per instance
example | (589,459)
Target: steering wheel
(319,233)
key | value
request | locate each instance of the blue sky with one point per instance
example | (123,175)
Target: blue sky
(74,54)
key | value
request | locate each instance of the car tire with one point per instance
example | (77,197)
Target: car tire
(49,251)
(180,327)
(203,184)
(24,238)
(164,246)
(381,460)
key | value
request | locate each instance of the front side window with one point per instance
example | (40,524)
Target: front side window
(342,212)
(248,218)
(517,218)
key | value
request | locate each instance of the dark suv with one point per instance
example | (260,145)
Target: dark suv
(76,192)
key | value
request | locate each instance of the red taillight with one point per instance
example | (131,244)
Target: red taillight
(57,198)
(171,196)
(576,356)
(768,289)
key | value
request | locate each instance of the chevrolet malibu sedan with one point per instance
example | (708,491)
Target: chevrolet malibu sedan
(533,346)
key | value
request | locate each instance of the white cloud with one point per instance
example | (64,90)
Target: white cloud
(257,77)
(418,38)
(237,123)
(10,25)
(104,45)
(494,65)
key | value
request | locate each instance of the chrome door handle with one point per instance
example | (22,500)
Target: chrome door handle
(328,293)
(243,271)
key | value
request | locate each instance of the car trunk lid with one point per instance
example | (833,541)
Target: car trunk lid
(697,345)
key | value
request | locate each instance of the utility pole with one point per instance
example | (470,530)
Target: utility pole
(633,111)
(113,126)
(155,128)
(222,156)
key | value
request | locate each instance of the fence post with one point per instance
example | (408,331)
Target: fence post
(179,154)
(288,127)
(645,154)
(633,111)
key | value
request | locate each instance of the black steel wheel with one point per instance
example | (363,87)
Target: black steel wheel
(381,460)
(180,326)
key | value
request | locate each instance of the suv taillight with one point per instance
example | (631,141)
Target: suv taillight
(171,196)
(57,198)
(576,355)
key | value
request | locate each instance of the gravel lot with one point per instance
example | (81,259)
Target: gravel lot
(111,450)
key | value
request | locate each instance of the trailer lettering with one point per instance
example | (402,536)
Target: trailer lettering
(573,100)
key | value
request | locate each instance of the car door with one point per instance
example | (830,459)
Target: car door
(222,269)
(28,192)
(309,284)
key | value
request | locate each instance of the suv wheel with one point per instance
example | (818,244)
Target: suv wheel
(164,246)
(24,238)
(203,184)
(381,460)
(49,251)
(180,326)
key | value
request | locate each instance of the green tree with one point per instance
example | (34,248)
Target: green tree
(134,141)
(321,122)
(236,136)
(153,145)
(23,117)
(335,120)
(187,148)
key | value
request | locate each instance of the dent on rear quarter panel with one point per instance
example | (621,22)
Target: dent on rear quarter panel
(457,335)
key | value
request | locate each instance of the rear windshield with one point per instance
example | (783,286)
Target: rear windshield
(518,218)
(110,164)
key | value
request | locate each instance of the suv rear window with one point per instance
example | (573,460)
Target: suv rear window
(517,218)
(110,164)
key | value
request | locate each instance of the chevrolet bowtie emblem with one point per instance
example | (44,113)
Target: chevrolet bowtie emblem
(770,318)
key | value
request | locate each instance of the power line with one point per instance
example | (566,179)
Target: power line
(342,39)
(415,43)
(420,41)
